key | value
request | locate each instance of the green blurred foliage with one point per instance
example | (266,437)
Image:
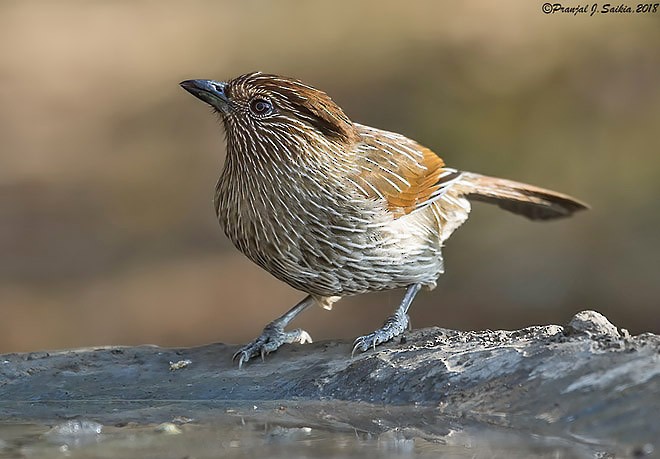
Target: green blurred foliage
(107,232)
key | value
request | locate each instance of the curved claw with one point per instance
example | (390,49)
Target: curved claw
(363,343)
(356,344)
(244,357)
(245,354)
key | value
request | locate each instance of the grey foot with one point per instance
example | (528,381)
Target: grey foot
(394,326)
(270,340)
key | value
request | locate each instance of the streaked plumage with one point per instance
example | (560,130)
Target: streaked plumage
(335,208)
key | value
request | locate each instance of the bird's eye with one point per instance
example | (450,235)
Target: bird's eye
(261,107)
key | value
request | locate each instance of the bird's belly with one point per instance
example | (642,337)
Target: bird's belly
(337,260)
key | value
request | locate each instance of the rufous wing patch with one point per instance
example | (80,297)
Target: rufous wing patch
(405,176)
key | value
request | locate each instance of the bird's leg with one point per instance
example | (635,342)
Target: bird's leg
(393,326)
(274,335)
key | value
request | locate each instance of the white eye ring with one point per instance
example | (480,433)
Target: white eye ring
(260,106)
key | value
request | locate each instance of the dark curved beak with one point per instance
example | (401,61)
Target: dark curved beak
(209,91)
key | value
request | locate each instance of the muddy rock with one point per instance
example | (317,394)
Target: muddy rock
(586,380)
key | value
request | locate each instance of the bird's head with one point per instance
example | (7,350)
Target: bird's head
(267,113)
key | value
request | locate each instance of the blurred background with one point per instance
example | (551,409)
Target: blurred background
(107,167)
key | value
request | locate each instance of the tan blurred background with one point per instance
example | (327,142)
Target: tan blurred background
(107,167)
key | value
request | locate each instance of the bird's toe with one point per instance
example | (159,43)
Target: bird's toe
(269,341)
(394,326)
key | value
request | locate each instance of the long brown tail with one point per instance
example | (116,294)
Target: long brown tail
(530,201)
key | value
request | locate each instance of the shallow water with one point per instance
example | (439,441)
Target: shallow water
(346,430)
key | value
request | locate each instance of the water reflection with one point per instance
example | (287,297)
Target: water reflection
(302,431)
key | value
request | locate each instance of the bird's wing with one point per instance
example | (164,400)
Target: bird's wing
(398,170)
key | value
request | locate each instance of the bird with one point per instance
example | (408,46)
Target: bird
(335,208)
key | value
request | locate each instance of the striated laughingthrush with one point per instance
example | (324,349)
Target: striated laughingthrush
(335,208)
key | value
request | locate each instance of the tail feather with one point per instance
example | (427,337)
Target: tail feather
(527,200)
